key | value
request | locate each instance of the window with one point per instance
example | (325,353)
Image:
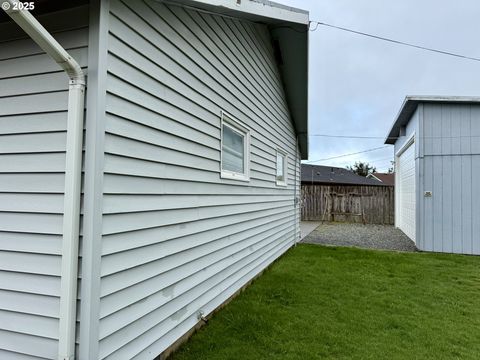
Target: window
(281,176)
(235,144)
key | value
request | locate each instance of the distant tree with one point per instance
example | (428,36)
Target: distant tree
(392,168)
(362,168)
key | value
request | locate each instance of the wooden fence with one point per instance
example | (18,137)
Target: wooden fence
(356,204)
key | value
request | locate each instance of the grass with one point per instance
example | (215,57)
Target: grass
(344,303)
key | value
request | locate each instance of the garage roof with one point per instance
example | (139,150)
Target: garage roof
(410,105)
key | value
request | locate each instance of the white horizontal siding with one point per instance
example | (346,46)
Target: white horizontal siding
(33,113)
(140,203)
(120,184)
(176,237)
(144,237)
(14,346)
(35,203)
(144,331)
(186,319)
(407,197)
(32,182)
(119,312)
(30,243)
(188,247)
(33,123)
(9,355)
(133,221)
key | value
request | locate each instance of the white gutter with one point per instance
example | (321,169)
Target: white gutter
(73,171)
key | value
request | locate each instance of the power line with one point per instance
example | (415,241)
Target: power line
(381,164)
(376,161)
(387,158)
(391,137)
(398,42)
(344,155)
(388,161)
(349,136)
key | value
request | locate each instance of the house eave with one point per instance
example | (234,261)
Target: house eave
(254,10)
(293,43)
(290,27)
(410,105)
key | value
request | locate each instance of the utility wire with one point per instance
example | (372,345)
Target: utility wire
(398,42)
(381,163)
(388,158)
(344,155)
(391,137)
(350,136)
(376,161)
(318,23)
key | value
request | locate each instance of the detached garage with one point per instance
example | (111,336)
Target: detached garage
(437,157)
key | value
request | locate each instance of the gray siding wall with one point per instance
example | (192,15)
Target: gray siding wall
(410,130)
(178,239)
(451,170)
(33,113)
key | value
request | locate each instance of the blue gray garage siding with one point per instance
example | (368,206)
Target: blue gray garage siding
(448,164)
(451,170)
(33,113)
(177,239)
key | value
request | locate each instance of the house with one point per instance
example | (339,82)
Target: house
(330,175)
(188,183)
(337,194)
(386,178)
(437,157)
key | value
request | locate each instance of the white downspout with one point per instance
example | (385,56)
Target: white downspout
(73,171)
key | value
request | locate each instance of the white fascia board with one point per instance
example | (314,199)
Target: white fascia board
(410,105)
(260,8)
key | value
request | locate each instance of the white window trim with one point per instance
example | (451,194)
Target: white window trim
(237,126)
(285,168)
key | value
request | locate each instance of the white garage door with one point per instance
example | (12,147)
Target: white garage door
(406,192)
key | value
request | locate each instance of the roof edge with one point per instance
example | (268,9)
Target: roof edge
(333,175)
(287,25)
(256,9)
(410,105)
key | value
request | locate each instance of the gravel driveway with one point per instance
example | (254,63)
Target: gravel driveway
(365,236)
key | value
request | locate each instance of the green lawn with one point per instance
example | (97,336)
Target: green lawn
(343,303)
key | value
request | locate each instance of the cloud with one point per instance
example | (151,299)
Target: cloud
(357,84)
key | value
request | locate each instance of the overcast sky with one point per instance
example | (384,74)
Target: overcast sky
(358,84)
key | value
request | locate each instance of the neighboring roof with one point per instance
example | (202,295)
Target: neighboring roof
(318,174)
(386,178)
(289,28)
(410,105)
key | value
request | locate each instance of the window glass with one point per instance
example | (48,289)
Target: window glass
(280,167)
(281,175)
(233,150)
